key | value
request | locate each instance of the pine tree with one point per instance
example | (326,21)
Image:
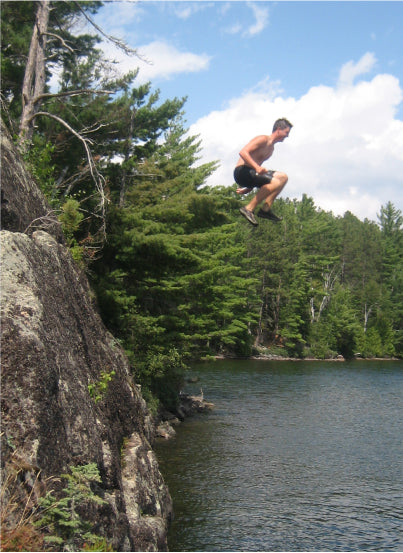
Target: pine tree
(391,221)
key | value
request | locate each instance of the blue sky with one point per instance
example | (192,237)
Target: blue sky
(335,69)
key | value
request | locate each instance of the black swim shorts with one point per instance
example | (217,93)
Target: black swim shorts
(247,177)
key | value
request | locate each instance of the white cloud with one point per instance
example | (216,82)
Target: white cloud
(351,70)
(185,10)
(167,61)
(164,61)
(234,29)
(156,60)
(261,15)
(345,150)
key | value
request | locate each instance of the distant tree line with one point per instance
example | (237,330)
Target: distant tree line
(178,274)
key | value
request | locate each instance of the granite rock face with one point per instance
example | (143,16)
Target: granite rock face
(23,206)
(54,348)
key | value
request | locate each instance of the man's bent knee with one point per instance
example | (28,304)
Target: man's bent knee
(281,177)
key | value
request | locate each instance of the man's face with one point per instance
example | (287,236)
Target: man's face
(282,134)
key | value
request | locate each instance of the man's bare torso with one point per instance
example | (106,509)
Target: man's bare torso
(260,149)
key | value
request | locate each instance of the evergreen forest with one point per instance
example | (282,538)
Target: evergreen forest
(177,273)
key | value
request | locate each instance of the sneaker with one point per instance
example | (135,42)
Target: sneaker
(248,215)
(269,215)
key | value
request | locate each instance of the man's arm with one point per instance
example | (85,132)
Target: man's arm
(255,151)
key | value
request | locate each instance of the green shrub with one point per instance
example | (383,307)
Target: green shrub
(97,390)
(62,519)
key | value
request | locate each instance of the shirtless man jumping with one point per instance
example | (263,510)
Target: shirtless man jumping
(250,174)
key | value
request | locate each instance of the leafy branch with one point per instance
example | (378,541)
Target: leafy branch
(97,390)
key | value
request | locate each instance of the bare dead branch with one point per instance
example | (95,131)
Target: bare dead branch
(73,180)
(63,42)
(88,91)
(98,179)
(62,122)
(45,222)
(118,42)
(94,128)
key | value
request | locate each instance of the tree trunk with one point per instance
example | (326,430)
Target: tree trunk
(276,311)
(367,313)
(35,76)
(127,157)
(259,332)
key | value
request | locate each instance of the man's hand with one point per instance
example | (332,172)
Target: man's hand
(261,171)
(243,190)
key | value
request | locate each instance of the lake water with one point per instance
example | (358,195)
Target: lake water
(296,456)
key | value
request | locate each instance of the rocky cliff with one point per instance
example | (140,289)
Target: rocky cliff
(55,351)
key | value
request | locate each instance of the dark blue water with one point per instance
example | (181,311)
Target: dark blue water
(295,457)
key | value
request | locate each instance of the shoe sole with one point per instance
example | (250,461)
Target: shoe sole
(275,220)
(247,217)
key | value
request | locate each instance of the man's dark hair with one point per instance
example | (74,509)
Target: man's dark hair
(281,124)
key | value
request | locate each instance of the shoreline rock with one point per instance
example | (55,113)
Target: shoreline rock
(189,405)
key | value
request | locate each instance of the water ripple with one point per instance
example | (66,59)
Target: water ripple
(295,457)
